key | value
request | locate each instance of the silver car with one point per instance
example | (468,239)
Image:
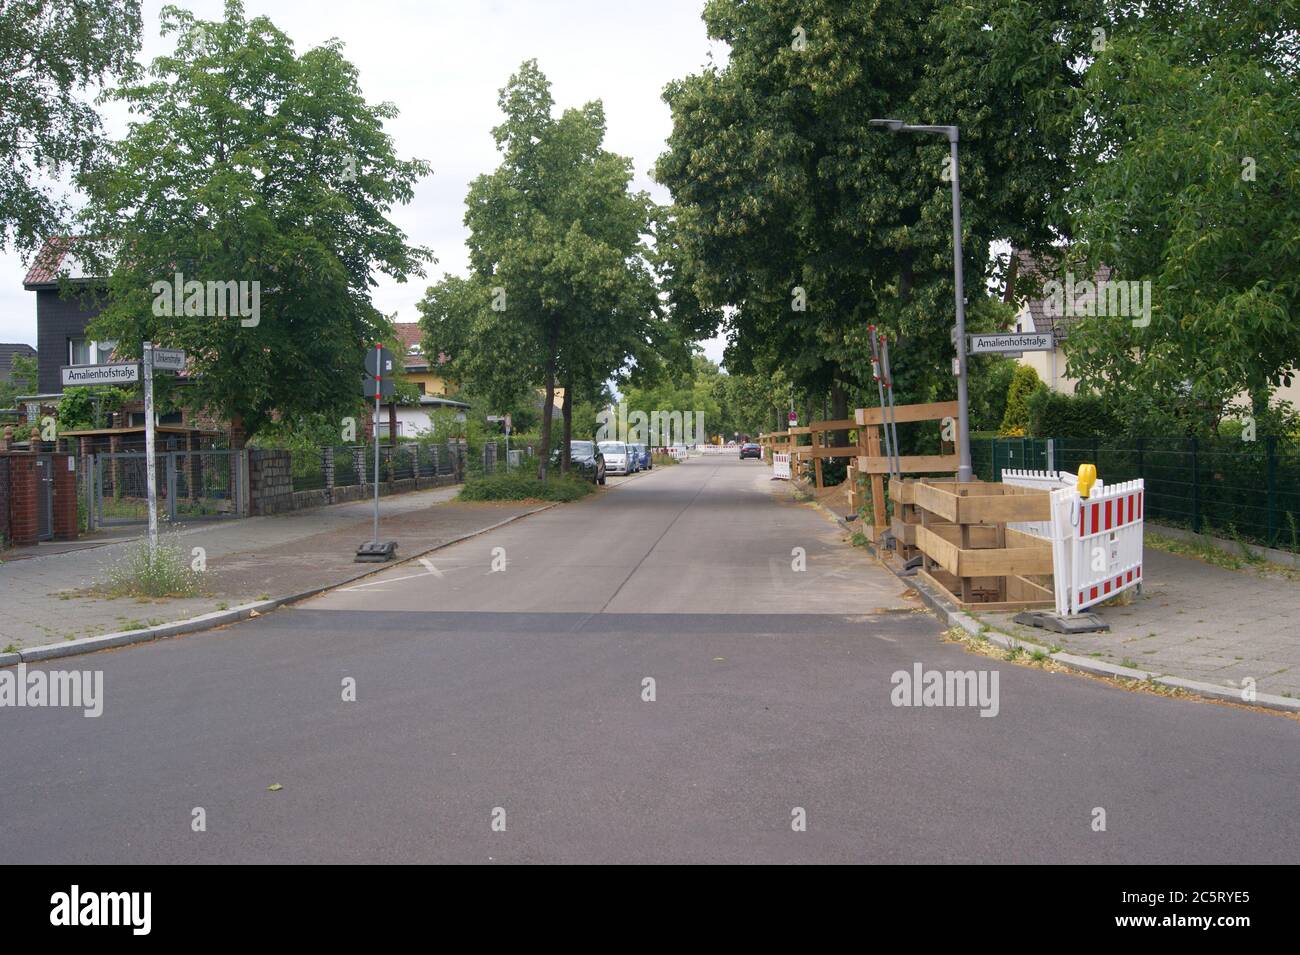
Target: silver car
(618,457)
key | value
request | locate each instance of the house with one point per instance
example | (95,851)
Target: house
(425,375)
(10,351)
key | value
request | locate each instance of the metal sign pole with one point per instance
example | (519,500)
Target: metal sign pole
(151,474)
(893,418)
(378,389)
(875,373)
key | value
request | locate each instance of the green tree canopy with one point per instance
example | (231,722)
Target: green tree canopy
(250,163)
(561,287)
(50,52)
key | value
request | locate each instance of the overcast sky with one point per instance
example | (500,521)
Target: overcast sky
(442,64)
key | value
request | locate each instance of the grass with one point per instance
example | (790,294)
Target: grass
(1205,550)
(663,460)
(138,574)
(517,486)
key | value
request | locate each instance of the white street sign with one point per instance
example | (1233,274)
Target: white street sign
(1016,342)
(168,359)
(118,373)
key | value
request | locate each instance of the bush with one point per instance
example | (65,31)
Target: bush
(136,574)
(521,486)
(659,459)
(1024,384)
(1054,415)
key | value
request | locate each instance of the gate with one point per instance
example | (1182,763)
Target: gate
(192,485)
(44,497)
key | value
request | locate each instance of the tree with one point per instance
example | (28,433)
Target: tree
(1188,180)
(1024,383)
(259,175)
(50,51)
(561,287)
(808,225)
(22,380)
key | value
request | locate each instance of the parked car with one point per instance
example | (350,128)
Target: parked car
(750,450)
(645,460)
(617,458)
(586,459)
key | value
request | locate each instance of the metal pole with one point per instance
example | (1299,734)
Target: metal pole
(964,472)
(880,387)
(150,470)
(889,389)
(375,538)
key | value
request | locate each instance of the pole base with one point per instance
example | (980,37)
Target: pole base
(1075,623)
(376,552)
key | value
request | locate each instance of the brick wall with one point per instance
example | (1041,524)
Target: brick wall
(64,524)
(4,498)
(22,500)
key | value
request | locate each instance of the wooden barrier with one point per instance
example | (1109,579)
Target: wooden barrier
(967,549)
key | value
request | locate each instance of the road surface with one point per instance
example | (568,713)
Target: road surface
(502,716)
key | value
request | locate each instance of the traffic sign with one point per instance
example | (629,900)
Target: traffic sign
(1015,342)
(794,418)
(379,361)
(168,359)
(116,373)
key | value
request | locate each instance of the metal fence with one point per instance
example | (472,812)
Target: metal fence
(192,485)
(1229,487)
(355,464)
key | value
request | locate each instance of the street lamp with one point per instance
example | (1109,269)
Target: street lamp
(964,472)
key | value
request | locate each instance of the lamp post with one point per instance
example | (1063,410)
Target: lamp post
(964,472)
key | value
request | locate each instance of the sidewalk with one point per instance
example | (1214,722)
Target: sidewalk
(1194,621)
(1198,622)
(44,599)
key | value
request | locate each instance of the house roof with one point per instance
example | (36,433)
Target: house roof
(10,351)
(55,259)
(1031,272)
(410,335)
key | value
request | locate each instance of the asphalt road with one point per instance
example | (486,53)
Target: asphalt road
(521,690)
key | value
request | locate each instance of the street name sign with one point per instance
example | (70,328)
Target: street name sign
(168,359)
(1006,344)
(117,373)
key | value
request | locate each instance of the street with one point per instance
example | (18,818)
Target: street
(640,676)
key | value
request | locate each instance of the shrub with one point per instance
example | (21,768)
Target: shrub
(1054,415)
(167,573)
(1024,384)
(524,486)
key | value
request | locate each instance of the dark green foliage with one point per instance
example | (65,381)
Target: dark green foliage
(521,486)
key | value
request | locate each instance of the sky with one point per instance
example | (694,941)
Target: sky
(442,64)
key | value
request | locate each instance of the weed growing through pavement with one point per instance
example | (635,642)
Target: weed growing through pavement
(165,573)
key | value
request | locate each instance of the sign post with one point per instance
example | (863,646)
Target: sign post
(150,466)
(380,383)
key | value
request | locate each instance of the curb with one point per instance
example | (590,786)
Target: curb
(955,617)
(220,618)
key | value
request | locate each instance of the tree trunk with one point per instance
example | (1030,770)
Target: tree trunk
(543,465)
(568,425)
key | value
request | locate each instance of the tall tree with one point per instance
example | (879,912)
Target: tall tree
(809,225)
(50,52)
(1190,179)
(251,164)
(560,270)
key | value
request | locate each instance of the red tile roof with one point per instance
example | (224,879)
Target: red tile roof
(45,267)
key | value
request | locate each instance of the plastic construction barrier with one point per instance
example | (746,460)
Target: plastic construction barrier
(781,466)
(1096,540)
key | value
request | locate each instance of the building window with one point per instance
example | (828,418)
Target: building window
(83,351)
(420,385)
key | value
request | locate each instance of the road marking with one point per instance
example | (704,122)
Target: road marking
(428,565)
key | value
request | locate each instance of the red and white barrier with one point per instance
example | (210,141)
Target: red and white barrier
(781,466)
(1105,536)
(1096,540)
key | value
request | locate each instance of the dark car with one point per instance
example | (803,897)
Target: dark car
(586,459)
(751,450)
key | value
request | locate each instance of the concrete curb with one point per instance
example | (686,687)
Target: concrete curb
(220,618)
(954,617)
